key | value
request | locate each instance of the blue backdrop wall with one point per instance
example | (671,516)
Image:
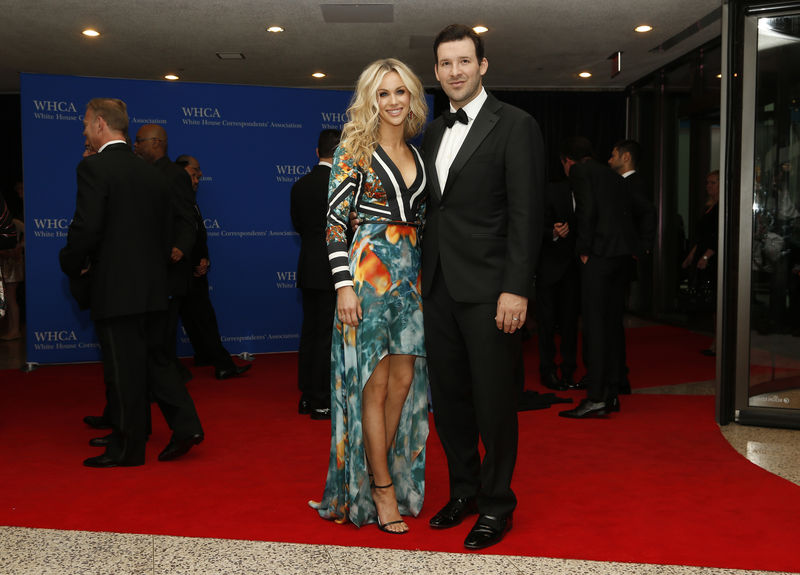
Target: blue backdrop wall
(252,143)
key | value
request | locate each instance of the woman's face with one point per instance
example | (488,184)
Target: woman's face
(712,187)
(394,100)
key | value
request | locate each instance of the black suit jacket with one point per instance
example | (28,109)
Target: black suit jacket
(309,208)
(120,229)
(557,256)
(608,214)
(644,212)
(485,228)
(184,223)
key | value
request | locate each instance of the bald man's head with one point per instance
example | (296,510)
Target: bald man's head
(151,142)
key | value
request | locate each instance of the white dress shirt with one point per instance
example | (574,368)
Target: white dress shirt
(454,137)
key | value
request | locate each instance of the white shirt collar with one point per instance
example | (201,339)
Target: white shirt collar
(321,163)
(628,173)
(104,146)
(475,105)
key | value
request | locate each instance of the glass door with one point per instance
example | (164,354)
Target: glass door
(771,89)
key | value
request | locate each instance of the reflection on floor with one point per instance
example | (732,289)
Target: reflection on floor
(26,551)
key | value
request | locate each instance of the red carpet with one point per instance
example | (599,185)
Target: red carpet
(655,484)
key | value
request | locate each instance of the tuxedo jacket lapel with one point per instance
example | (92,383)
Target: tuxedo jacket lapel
(483,124)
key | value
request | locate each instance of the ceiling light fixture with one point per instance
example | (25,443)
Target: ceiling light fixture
(91,33)
(480,29)
(585,74)
(318,75)
(171,77)
(643,28)
(275,29)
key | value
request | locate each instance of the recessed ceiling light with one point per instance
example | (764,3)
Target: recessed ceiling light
(230,55)
(171,77)
(585,74)
(318,75)
(90,32)
(275,29)
(719,75)
(480,29)
(643,28)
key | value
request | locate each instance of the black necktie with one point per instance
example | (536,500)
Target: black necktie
(451,118)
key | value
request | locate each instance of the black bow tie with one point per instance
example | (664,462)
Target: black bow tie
(451,118)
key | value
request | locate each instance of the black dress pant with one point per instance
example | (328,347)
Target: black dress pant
(314,357)
(200,322)
(557,306)
(135,361)
(603,282)
(473,369)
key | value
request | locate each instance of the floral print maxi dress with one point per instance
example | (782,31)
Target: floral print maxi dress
(383,266)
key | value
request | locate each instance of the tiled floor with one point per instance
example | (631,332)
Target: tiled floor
(47,552)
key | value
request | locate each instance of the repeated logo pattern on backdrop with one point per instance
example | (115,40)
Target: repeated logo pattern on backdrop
(252,143)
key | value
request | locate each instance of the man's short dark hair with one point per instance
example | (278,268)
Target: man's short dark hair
(328,140)
(455,32)
(632,147)
(183,160)
(577,149)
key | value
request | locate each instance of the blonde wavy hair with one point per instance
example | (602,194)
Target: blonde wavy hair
(360,133)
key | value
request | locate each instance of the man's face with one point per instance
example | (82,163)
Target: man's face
(91,129)
(712,187)
(616,161)
(194,171)
(146,145)
(459,71)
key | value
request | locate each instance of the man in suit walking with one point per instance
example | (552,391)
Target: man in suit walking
(484,160)
(609,221)
(309,207)
(558,289)
(151,145)
(119,240)
(196,311)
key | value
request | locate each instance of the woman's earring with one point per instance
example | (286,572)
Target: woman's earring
(410,115)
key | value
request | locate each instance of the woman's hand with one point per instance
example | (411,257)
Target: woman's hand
(348,306)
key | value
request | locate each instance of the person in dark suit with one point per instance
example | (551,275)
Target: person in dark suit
(609,218)
(480,247)
(309,207)
(119,240)
(624,160)
(558,289)
(151,145)
(196,311)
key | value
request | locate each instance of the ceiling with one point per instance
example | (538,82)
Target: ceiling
(540,44)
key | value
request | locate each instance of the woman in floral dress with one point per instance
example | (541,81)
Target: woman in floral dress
(379,422)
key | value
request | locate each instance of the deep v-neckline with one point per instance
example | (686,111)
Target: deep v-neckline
(396,170)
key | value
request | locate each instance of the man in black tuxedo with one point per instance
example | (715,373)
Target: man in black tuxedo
(196,311)
(151,145)
(484,161)
(118,240)
(624,160)
(609,219)
(558,288)
(309,207)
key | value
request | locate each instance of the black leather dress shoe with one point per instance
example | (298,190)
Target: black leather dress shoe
(583,383)
(321,413)
(106,461)
(612,404)
(454,512)
(304,407)
(588,408)
(97,422)
(487,531)
(100,441)
(178,447)
(550,380)
(231,372)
